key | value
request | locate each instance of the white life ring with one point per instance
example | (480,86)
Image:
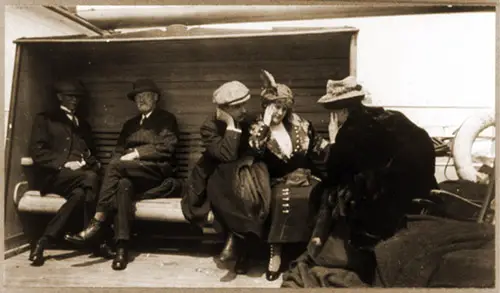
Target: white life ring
(462,145)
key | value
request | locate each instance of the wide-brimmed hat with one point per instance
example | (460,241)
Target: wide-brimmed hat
(70,87)
(273,91)
(143,85)
(231,93)
(340,92)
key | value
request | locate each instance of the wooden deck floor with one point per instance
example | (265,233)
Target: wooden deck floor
(168,267)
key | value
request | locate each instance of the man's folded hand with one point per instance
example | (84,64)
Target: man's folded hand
(73,165)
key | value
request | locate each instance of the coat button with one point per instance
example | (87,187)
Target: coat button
(67,138)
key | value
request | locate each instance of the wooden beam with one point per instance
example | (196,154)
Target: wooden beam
(77,19)
(144,16)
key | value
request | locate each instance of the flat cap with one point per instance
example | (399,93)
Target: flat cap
(231,93)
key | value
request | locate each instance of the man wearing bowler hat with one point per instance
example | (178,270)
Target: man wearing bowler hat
(142,163)
(64,159)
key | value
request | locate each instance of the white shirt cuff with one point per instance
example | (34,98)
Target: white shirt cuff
(233,129)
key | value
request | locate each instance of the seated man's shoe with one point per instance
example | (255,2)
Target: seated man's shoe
(121,259)
(86,234)
(229,251)
(36,255)
(104,250)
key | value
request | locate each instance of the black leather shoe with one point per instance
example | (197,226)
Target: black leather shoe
(105,251)
(36,255)
(229,251)
(121,259)
(241,266)
(86,234)
(272,276)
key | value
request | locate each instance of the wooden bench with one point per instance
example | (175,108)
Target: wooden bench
(186,67)
(188,152)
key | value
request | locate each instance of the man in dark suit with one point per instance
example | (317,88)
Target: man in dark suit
(143,160)
(225,137)
(63,154)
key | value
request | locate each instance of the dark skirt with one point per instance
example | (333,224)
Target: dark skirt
(240,195)
(290,213)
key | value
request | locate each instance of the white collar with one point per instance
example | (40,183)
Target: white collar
(71,116)
(147,115)
(66,110)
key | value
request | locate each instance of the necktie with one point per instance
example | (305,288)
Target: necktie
(73,119)
(142,119)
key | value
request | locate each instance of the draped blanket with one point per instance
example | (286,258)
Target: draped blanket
(430,252)
(438,252)
(240,194)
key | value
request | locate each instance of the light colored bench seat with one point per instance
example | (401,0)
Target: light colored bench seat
(162,209)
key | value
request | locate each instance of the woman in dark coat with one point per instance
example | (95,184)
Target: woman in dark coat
(290,147)
(379,161)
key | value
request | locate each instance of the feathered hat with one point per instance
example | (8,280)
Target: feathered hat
(341,92)
(273,91)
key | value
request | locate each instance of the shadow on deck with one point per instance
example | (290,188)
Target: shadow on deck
(158,263)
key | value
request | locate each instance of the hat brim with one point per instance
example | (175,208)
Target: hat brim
(73,93)
(133,93)
(330,99)
(240,101)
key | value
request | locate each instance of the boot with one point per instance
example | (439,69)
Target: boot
(229,251)
(86,234)
(121,259)
(36,255)
(273,269)
(241,266)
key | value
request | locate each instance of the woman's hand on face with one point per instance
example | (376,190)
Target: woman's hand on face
(333,126)
(268,114)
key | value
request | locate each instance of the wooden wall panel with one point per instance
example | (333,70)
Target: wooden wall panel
(32,97)
(188,71)
(288,47)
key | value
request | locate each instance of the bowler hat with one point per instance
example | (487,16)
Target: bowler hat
(70,87)
(341,92)
(143,85)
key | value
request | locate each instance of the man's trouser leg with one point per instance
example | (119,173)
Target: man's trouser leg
(78,188)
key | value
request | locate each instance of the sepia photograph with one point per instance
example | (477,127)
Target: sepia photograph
(325,145)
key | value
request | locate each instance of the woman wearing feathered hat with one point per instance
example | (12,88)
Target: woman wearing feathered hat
(378,162)
(287,143)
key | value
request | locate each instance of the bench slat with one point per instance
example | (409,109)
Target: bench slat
(164,209)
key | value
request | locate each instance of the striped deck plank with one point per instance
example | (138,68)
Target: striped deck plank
(163,268)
